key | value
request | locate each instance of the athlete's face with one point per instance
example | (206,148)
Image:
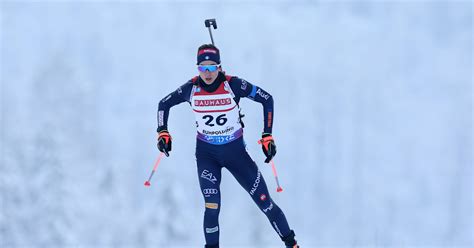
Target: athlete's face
(208,76)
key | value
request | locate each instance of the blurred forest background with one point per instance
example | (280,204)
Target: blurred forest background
(373,121)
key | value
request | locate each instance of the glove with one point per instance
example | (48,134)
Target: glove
(268,146)
(164,142)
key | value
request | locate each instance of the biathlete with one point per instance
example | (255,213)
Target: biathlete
(214,98)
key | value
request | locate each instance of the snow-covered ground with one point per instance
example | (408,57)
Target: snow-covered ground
(373,122)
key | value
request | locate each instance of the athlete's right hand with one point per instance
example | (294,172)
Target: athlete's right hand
(164,142)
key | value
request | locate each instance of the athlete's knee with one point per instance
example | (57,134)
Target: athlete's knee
(265,203)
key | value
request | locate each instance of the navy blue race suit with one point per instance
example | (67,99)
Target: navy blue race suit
(220,144)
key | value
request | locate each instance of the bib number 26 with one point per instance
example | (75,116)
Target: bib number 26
(220,120)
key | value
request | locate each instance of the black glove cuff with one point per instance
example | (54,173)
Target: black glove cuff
(266,135)
(162,128)
(163,131)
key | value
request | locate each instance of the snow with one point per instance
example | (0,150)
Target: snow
(373,122)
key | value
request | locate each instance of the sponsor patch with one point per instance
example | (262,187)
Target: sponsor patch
(269,208)
(255,184)
(160,118)
(218,132)
(209,192)
(277,229)
(263,197)
(270,119)
(208,176)
(167,98)
(180,90)
(207,51)
(219,139)
(214,102)
(243,86)
(212,230)
(213,205)
(262,94)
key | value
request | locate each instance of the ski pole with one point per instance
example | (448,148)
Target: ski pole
(279,189)
(208,23)
(147,182)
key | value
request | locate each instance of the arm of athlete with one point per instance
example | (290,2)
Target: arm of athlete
(174,98)
(242,88)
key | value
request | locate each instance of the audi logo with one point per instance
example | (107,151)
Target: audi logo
(210,191)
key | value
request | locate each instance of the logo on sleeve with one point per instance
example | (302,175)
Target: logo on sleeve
(263,94)
(244,85)
(167,98)
(160,118)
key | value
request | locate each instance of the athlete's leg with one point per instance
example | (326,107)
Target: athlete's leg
(209,172)
(244,169)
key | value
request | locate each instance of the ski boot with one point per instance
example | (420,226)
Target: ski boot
(290,241)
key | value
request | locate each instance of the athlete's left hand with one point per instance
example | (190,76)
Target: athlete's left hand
(268,146)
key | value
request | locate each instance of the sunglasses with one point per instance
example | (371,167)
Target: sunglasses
(210,68)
